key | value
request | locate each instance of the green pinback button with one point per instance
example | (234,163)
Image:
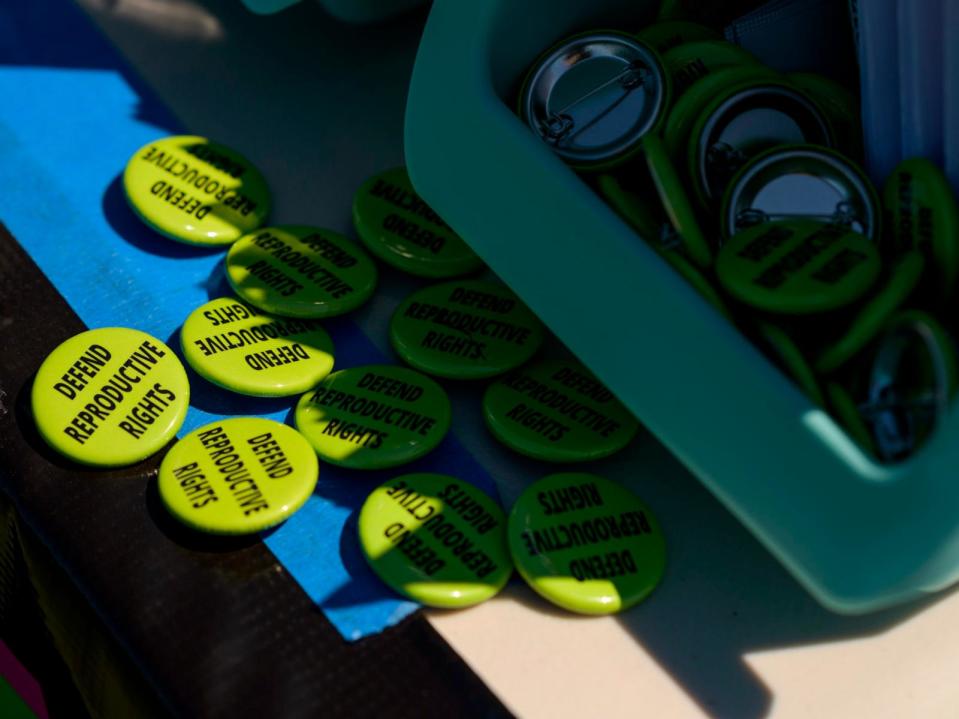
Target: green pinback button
(196,191)
(586,544)
(676,202)
(670,34)
(799,267)
(792,360)
(436,540)
(465,329)
(692,61)
(905,388)
(240,349)
(801,182)
(689,106)
(741,112)
(923,215)
(297,271)
(556,411)
(374,417)
(866,325)
(403,231)
(110,397)
(738,125)
(238,476)
(911,381)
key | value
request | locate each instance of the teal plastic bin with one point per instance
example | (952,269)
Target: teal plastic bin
(355,11)
(857,535)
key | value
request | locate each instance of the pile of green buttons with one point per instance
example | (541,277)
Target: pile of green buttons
(747,182)
(580,541)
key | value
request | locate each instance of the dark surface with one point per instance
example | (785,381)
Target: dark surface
(216,628)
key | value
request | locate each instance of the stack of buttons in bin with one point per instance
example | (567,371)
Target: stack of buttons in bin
(748,184)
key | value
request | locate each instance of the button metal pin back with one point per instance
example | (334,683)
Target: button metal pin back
(801,182)
(740,124)
(911,381)
(593,97)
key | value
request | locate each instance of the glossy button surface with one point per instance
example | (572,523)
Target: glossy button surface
(586,544)
(298,271)
(743,121)
(110,397)
(556,411)
(869,320)
(436,540)
(802,182)
(238,476)
(923,216)
(243,350)
(403,231)
(467,329)
(374,417)
(196,191)
(798,268)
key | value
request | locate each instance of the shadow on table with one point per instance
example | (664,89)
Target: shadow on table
(724,597)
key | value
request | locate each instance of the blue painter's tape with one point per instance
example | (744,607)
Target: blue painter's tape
(73,116)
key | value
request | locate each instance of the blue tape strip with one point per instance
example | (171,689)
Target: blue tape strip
(71,118)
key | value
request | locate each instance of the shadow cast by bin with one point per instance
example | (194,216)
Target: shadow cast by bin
(725,597)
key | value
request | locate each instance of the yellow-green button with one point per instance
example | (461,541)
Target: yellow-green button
(436,540)
(403,231)
(236,347)
(556,411)
(465,329)
(679,209)
(110,397)
(923,215)
(374,417)
(870,319)
(197,191)
(586,544)
(238,476)
(298,271)
(798,267)
(690,106)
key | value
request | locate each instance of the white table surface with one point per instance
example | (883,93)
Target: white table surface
(318,106)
